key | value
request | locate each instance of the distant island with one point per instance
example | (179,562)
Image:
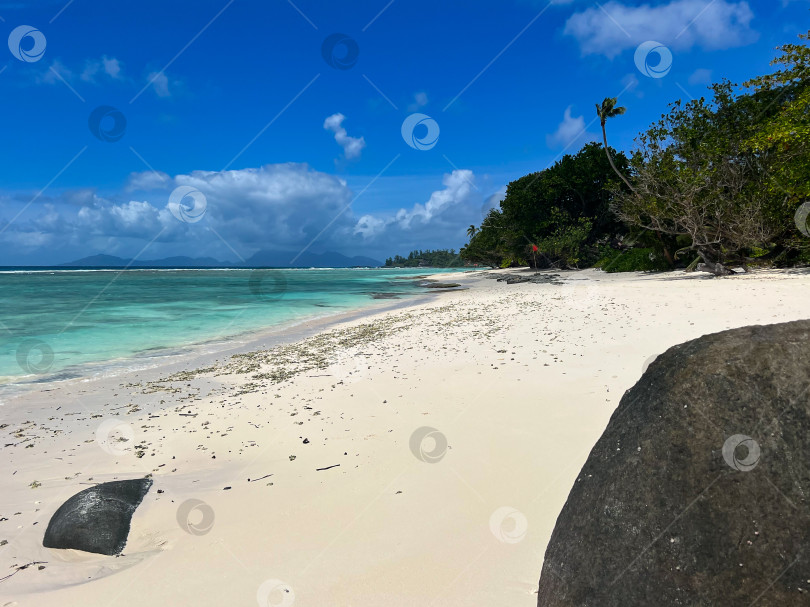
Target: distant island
(260,259)
(440,258)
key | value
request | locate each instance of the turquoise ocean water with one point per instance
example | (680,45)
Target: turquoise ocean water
(56,324)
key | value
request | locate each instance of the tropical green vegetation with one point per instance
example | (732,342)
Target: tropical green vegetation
(715,181)
(440,258)
(563,211)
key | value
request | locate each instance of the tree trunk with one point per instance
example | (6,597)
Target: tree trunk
(713,267)
(610,159)
(667,254)
(717,268)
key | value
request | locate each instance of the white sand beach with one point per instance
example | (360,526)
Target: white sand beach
(311,489)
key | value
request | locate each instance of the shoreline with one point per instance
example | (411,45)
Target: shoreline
(204,352)
(305,453)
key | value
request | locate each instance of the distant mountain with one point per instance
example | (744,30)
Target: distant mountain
(309,260)
(260,259)
(111,261)
(98,261)
(182,261)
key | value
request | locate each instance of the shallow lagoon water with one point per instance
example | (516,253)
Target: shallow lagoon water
(56,322)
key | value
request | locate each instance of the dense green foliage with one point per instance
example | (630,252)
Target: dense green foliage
(720,180)
(783,137)
(440,258)
(782,144)
(564,211)
(633,260)
(694,176)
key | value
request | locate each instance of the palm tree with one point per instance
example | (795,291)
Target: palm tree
(607,110)
(471,231)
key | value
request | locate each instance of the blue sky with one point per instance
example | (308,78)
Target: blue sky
(282,144)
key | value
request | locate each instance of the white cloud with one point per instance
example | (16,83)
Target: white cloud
(420,100)
(570,132)
(133,219)
(108,67)
(493,201)
(352,146)
(700,76)
(56,70)
(95,71)
(112,67)
(281,206)
(28,240)
(79,198)
(459,190)
(679,24)
(160,83)
(148,180)
(274,206)
(542,4)
(458,186)
(369,226)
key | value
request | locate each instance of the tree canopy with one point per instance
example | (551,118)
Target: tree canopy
(440,258)
(725,178)
(564,211)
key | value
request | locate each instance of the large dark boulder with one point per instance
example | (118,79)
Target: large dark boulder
(97,519)
(697,492)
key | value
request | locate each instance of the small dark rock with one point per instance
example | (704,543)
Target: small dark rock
(440,285)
